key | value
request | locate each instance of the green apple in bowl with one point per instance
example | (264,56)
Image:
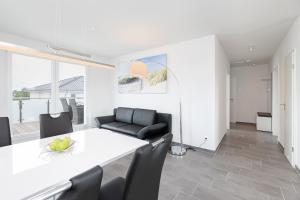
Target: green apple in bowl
(60,144)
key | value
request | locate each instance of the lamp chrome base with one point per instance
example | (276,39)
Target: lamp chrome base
(178,150)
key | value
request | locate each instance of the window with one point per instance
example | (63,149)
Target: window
(72,91)
(31,92)
(42,86)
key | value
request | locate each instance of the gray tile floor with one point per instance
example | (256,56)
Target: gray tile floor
(248,165)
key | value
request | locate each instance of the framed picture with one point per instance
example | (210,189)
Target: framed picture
(144,75)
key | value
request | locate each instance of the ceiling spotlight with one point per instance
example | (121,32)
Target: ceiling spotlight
(251,48)
(253,64)
(248,61)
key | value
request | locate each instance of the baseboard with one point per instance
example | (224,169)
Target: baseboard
(193,147)
(281,147)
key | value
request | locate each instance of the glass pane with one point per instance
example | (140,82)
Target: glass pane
(31,92)
(72,91)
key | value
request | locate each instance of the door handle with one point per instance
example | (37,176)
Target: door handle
(283,104)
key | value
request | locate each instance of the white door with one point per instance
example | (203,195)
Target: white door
(233,99)
(228,101)
(281,95)
(275,100)
(288,107)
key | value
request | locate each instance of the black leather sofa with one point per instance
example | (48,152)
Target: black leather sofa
(140,123)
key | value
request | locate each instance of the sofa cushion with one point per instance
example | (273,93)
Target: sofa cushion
(113,125)
(124,115)
(144,117)
(131,129)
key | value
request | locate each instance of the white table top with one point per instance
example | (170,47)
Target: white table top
(25,169)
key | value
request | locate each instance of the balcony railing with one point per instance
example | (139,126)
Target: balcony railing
(26,112)
(22,101)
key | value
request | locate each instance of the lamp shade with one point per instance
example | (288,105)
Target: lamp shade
(138,68)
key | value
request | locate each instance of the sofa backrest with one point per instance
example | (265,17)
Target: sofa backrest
(159,117)
(124,114)
(144,117)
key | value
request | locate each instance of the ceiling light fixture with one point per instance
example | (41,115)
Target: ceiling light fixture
(68,51)
(52,56)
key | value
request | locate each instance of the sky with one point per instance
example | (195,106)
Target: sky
(30,71)
(155,63)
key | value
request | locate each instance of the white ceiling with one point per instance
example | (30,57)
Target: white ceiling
(116,27)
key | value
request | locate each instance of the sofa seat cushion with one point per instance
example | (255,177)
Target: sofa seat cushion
(113,125)
(130,129)
(124,115)
(144,117)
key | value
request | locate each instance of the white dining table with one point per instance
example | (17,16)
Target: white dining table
(29,167)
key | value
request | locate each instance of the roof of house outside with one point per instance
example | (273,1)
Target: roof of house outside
(67,85)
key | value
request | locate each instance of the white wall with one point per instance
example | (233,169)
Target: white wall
(290,42)
(222,67)
(99,93)
(253,92)
(193,62)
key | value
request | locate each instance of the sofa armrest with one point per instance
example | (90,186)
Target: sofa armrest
(150,131)
(104,120)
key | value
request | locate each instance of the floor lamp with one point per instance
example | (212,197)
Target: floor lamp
(176,149)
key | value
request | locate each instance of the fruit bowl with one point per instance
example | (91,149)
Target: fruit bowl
(60,145)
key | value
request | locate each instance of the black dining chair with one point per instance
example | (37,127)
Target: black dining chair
(143,177)
(85,186)
(77,112)
(53,126)
(66,107)
(5,138)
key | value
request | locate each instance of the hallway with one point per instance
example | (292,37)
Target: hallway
(248,165)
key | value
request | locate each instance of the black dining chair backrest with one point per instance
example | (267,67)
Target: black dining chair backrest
(5,137)
(143,176)
(53,126)
(85,186)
